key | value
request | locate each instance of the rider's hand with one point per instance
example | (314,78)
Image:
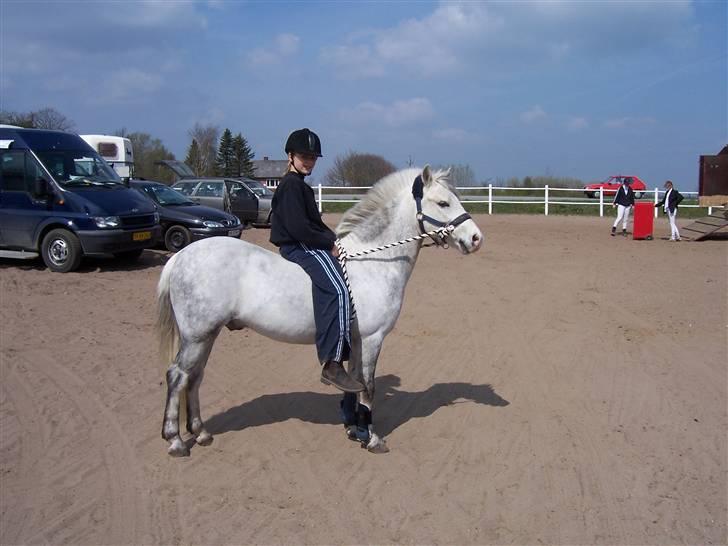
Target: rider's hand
(335,251)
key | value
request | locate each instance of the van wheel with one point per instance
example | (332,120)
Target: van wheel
(61,251)
(129,255)
(176,238)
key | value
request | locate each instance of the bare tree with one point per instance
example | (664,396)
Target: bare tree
(45,118)
(460,175)
(50,118)
(206,137)
(354,169)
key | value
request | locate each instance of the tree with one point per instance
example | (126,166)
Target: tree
(206,137)
(147,152)
(354,169)
(243,157)
(224,161)
(460,175)
(45,118)
(193,158)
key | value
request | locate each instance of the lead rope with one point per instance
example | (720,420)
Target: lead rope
(343,255)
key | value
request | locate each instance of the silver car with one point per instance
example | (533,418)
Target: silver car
(247,199)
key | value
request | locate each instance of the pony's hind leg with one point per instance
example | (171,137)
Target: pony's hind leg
(194,419)
(185,372)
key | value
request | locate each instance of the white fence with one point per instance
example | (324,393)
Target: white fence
(484,194)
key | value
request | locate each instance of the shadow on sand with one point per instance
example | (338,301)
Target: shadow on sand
(393,407)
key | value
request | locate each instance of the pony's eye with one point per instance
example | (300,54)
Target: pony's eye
(443,204)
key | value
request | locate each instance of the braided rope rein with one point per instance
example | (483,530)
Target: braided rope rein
(344,255)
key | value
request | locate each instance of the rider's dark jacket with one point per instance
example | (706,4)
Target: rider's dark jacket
(295,216)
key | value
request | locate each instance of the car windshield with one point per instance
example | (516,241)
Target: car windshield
(74,168)
(259,189)
(166,196)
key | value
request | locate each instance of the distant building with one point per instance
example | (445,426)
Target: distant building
(270,171)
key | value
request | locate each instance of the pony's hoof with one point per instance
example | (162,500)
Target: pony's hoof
(178,449)
(377,445)
(204,438)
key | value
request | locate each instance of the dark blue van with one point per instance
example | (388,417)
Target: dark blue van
(60,200)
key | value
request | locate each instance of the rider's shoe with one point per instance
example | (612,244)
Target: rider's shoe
(614,231)
(333,373)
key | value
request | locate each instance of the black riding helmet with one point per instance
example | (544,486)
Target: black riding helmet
(304,141)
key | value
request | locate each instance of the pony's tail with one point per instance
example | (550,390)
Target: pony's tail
(166,325)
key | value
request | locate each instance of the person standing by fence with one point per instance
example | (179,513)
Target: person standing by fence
(669,205)
(624,201)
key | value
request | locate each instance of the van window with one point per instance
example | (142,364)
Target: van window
(12,171)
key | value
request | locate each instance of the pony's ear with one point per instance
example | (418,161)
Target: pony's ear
(427,175)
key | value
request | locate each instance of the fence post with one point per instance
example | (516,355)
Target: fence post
(656,200)
(490,198)
(320,204)
(601,202)
(546,199)
(710,211)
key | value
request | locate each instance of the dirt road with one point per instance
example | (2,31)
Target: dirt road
(560,386)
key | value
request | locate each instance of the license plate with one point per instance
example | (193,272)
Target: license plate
(141,235)
(234,233)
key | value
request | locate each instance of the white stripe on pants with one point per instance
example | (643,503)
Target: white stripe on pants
(622,214)
(674,233)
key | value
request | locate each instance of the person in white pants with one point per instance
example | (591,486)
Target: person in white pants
(624,201)
(669,205)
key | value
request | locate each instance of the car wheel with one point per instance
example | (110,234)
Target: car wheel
(61,251)
(638,195)
(176,238)
(129,255)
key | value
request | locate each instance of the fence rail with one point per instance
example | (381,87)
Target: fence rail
(471,194)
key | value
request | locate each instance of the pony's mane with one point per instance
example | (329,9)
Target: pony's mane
(372,214)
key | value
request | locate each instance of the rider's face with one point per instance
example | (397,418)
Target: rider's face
(304,163)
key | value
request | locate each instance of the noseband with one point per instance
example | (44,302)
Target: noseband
(448,227)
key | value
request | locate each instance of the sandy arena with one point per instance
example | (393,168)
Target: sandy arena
(559,387)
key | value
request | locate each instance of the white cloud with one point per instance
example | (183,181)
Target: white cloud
(155,14)
(284,45)
(577,124)
(534,114)
(625,122)
(450,134)
(506,36)
(397,114)
(129,84)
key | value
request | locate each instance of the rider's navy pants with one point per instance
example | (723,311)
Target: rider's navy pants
(331,306)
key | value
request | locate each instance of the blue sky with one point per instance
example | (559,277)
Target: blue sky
(577,89)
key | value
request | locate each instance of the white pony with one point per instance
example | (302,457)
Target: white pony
(218,282)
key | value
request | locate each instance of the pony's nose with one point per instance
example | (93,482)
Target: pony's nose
(476,240)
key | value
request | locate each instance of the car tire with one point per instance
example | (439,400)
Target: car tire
(129,255)
(176,238)
(61,251)
(638,195)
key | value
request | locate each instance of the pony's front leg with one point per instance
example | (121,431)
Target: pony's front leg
(358,416)
(364,422)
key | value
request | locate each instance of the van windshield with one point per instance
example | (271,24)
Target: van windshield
(77,168)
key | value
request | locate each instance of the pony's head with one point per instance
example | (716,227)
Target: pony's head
(441,205)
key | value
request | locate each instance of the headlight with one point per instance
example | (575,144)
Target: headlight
(156,217)
(107,221)
(211,223)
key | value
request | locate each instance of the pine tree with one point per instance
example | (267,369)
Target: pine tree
(243,157)
(225,160)
(194,159)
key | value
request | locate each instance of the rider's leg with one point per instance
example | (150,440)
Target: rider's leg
(332,312)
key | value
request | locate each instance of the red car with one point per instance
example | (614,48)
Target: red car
(611,185)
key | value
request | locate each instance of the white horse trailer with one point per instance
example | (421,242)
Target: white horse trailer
(116,150)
